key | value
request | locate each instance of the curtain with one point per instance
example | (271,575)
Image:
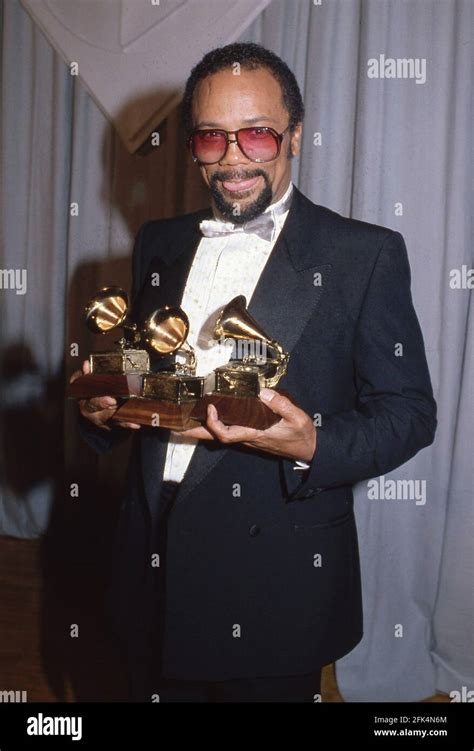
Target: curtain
(387,150)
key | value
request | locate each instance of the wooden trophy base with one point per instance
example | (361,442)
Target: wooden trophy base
(247,411)
(92,385)
(157,413)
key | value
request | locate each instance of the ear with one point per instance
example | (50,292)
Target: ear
(295,142)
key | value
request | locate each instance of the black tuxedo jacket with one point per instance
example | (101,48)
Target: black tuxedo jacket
(262,562)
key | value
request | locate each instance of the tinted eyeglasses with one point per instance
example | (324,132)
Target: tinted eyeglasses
(257,144)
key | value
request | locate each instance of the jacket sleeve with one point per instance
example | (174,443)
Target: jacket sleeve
(395,414)
(97,438)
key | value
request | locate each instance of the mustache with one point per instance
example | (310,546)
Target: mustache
(237,175)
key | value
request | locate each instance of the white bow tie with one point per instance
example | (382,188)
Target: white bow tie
(262,225)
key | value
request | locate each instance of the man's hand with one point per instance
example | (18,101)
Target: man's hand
(101,408)
(293,437)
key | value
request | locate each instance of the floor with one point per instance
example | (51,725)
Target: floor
(35,654)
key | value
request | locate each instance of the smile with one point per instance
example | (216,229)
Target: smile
(239,186)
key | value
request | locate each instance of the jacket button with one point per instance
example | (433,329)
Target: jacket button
(254,530)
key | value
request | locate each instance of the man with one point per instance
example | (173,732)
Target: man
(258,584)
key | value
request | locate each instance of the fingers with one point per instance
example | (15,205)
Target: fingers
(100,409)
(228,433)
(200,433)
(86,369)
(98,403)
(88,408)
(280,404)
(215,429)
(98,416)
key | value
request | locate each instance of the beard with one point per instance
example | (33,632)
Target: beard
(227,208)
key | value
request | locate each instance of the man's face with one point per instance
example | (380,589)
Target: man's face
(242,189)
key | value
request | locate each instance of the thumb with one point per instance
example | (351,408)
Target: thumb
(277,402)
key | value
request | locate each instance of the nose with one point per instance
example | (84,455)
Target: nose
(233,155)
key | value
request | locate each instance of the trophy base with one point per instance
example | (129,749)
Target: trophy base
(172,386)
(248,411)
(242,379)
(120,362)
(157,413)
(92,385)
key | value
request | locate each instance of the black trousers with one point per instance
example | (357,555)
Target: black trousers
(293,688)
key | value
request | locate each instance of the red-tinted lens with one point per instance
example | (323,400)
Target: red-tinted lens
(208,146)
(258,144)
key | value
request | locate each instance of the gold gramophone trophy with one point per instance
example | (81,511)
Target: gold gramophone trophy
(238,382)
(164,398)
(117,372)
(262,365)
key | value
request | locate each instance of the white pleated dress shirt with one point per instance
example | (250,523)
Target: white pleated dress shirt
(223,267)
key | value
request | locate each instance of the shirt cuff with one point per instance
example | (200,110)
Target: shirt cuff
(300,465)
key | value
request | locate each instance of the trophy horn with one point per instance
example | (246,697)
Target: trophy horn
(235,322)
(166,331)
(106,310)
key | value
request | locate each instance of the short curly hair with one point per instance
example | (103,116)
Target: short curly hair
(250,56)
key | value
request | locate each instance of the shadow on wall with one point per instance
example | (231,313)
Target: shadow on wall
(78,548)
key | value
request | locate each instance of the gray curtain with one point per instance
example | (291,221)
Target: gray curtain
(391,151)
